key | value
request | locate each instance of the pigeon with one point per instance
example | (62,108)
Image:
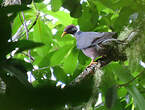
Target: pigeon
(94,44)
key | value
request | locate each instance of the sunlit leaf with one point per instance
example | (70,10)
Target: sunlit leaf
(56,4)
(63,17)
(42,34)
(59,55)
(70,61)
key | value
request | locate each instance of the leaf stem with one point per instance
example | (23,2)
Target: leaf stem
(130,81)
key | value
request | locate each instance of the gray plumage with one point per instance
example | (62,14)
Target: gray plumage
(92,43)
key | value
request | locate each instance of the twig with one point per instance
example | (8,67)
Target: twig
(34,5)
(101,104)
(27,34)
(21,19)
(130,81)
(28,56)
(37,16)
(43,68)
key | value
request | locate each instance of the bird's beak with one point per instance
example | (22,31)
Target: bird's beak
(63,34)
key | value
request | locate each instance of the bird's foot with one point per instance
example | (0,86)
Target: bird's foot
(92,63)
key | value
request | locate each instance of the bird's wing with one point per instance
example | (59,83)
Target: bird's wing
(87,39)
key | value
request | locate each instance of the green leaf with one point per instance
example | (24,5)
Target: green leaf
(105,20)
(42,73)
(70,61)
(45,61)
(16,24)
(1,1)
(56,4)
(18,71)
(59,73)
(5,29)
(37,1)
(74,7)
(121,92)
(90,23)
(63,17)
(22,45)
(27,44)
(111,97)
(59,55)
(22,63)
(123,18)
(107,77)
(137,96)
(100,6)
(106,3)
(124,3)
(15,8)
(42,34)
(121,71)
(142,81)
(83,59)
(41,6)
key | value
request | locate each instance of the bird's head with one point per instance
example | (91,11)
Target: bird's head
(70,29)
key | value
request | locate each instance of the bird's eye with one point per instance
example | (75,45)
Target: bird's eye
(73,29)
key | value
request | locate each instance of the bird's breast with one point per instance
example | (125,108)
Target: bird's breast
(92,52)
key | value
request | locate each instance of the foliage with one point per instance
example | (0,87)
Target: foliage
(52,54)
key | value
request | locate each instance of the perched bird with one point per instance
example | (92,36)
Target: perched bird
(93,44)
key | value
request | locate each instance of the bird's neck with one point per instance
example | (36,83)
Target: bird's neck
(76,33)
